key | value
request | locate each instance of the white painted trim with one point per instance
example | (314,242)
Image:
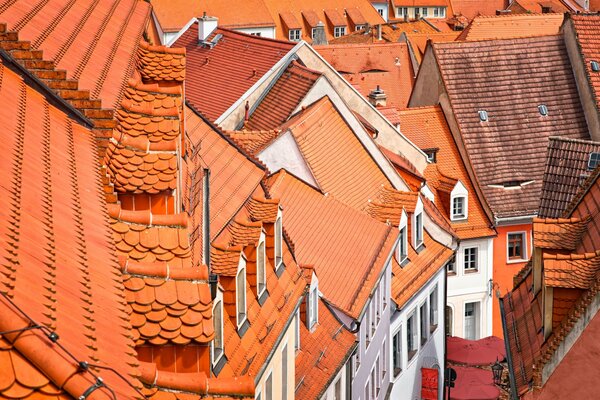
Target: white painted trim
(459,191)
(524,247)
(181,31)
(242,264)
(218,300)
(262,241)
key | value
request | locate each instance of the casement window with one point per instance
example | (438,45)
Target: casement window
(402,249)
(412,335)
(397,352)
(294,35)
(459,205)
(278,243)
(433,309)
(516,243)
(424,323)
(284,372)
(297,323)
(472,318)
(439,12)
(313,307)
(269,387)
(339,31)
(424,11)
(359,27)
(217,343)
(313,32)
(240,290)
(451,266)
(261,268)
(418,229)
(470,259)
(449,321)
(402,11)
(337,389)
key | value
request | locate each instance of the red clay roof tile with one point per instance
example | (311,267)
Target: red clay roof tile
(562,233)
(512,26)
(587,29)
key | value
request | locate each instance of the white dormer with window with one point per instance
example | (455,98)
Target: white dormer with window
(261,266)
(278,241)
(217,343)
(417,225)
(459,202)
(294,35)
(240,292)
(402,247)
(312,303)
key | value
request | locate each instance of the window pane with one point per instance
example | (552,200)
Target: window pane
(472,321)
(284,374)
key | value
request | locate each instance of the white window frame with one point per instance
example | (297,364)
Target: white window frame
(423,323)
(400,342)
(401,11)
(312,33)
(278,241)
(294,35)
(241,315)
(451,319)
(451,262)
(464,253)
(313,302)
(523,247)
(434,318)
(478,319)
(359,27)
(459,191)
(424,12)
(415,335)
(417,228)
(339,31)
(217,352)
(402,247)
(297,330)
(261,266)
(269,396)
(284,371)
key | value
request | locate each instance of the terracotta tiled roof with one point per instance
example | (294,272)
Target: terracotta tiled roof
(98,52)
(310,217)
(428,127)
(405,168)
(220,75)
(55,241)
(355,16)
(322,353)
(418,41)
(587,28)
(562,233)
(172,15)
(572,271)
(388,203)
(334,17)
(512,26)
(283,98)
(409,279)
(390,32)
(536,6)
(289,20)
(159,63)
(384,65)
(253,141)
(566,169)
(472,8)
(350,174)
(506,149)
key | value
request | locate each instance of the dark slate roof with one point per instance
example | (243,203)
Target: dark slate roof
(566,169)
(509,79)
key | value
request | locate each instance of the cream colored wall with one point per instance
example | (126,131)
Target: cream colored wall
(412,14)
(274,367)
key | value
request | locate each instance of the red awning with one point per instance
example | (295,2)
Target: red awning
(475,352)
(473,384)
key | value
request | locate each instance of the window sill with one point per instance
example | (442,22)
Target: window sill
(411,354)
(404,262)
(517,261)
(263,297)
(471,271)
(451,273)
(219,363)
(243,328)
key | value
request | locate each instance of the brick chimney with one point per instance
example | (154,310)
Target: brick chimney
(378,98)
(319,34)
(206,26)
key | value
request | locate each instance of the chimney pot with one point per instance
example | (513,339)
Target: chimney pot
(378,98)
(206,26)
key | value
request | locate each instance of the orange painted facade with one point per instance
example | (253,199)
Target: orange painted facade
(505,270)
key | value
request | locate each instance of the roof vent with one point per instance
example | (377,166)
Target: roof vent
(483,115)
(594,160)
(543,110)
(595,66)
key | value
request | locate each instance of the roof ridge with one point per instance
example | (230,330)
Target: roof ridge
(146,217)
(257,39)
(572,140)
(473,42)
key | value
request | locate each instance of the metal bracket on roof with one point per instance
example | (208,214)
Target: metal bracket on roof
(99,383)
(213,42)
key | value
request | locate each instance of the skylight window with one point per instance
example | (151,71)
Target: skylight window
(483,115)
(593,161)
(543,110)
(595,66)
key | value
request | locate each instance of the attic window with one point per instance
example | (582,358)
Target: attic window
(595,66)
(217,343)
(278,243)
(483,115)
(313,307)
(593,161)
(546,10)
(543,110)
(294,35)
(261,270)
(339,31)
(359,27)
(240,290)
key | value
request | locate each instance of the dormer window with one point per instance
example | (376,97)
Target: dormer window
(261,269)
(240,291)
(313,303)
(459,202)
(294,35)
(339,31)
(417,225)
(402,248)
(359,27)
(217,343)
(278,242)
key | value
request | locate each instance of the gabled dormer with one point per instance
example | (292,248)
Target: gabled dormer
(459,202)
(309,309)
(261,267)
(417,225)
(278,238)
(402,246)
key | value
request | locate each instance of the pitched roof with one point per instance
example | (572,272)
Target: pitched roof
(173,15)
(472,8)
(501,148)
(390,32)
(322,353)
(537,6)
(310,218)
(512,26)
(587,28)
(418,41)
(428,126)
(98,52)
(220,75)
(56,239)
(567,167)
(561,233)
(283,98)
(368,66)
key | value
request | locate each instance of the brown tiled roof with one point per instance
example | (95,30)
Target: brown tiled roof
(566,170)
(384,65)
(536,6)
(390,32)
(220,75)
(58,262)
(587,28)
(508,149)
(562,233)
(571,271)
(283,98)
(310,217)
(322,353)
(512,26)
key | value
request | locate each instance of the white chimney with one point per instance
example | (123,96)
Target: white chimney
(206,26)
